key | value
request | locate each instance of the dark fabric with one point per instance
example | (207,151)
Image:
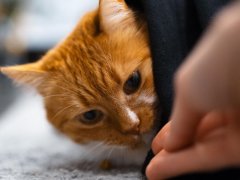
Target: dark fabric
(135,5)
(174,28)
(227,173)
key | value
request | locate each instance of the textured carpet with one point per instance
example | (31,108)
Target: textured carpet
(31,150)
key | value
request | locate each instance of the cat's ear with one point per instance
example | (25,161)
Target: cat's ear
(115,15)
(32,74)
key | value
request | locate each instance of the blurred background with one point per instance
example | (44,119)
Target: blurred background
(28,28)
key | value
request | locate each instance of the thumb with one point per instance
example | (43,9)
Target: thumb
(183,127)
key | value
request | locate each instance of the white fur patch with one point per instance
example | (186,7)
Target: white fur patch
(95,152)
(148,99)
(132,115)
(118,155)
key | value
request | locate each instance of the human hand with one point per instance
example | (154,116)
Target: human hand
(216,145)
(204,130)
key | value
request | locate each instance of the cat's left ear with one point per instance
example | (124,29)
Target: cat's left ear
(116,15)
(31,74)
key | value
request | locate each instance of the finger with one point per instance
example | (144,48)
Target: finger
(198,158)
(184,122)
(157,143)
(210,122)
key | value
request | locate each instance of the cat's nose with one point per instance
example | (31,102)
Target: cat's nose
(129,122)
(132,129)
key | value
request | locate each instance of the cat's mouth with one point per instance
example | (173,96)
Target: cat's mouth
(142,140)
(137,142)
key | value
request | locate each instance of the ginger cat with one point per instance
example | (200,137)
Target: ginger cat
(97,85)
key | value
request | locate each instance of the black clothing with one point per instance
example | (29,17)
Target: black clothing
(174,28)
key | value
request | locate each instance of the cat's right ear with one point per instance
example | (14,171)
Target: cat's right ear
(31,74)
(115,15)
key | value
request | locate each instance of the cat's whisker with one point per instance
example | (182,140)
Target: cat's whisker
(97,146)
(92,149)
(108,157)
(62,110)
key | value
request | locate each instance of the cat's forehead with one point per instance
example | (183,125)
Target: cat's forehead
(97,68)
(114,56)
(99,63)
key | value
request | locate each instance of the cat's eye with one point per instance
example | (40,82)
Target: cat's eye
(91,117)
(133,83)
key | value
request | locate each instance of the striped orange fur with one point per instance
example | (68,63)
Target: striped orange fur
(88,71)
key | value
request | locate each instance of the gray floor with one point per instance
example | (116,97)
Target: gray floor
(31,150)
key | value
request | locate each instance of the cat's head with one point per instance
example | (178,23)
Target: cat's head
(97,85)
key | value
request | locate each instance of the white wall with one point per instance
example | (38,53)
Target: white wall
(40,24)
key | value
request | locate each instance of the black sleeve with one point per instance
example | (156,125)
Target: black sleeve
(174,28)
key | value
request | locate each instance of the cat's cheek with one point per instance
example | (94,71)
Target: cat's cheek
(146,116)
(77,140)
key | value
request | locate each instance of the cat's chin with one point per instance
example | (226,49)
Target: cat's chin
(119,155)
